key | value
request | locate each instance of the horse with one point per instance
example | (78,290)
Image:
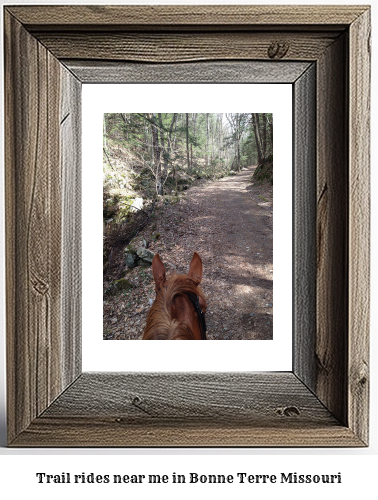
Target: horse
(178,311)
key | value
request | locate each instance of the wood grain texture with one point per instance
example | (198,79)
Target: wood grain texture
(322,403)
(33,227)
(304,227)
(359,226)
(32,193)
(100,432)
(180,47)
(70,143)
(332,230)
(184,16)
(186,410)
(192,396)
(199,72)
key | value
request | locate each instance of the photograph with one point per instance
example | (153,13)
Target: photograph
(188,226)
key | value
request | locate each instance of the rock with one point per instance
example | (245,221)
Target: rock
(137,205)
(130,257)
(119,286)
(131,260)
(182,176)
(145,255)
(124,272)
(141,257)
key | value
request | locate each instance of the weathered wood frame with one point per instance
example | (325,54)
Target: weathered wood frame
(49,52)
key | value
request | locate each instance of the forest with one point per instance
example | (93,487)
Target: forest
(151,162)
(165,152)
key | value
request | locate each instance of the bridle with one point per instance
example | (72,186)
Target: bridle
(194,299)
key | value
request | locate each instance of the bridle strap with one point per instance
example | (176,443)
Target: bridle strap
(194,299)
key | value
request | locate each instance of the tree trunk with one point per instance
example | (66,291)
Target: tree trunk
(157,153)
(187,140)
(238,136)
(264,145)
(256,128)
(207,142)
(213,133)
(161,132)
(174,118)
(104,133)
(233,121)
(219,135)
(164,151)
(271,132)
(194,121)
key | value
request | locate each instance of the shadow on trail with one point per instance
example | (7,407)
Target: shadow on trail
(234,237)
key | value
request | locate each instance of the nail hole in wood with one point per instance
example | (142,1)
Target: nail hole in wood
(289,411)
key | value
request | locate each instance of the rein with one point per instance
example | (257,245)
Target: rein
(194,299)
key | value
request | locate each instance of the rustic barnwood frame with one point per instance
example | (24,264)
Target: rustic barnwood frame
(324,51)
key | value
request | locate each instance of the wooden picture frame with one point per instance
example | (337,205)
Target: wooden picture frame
(49,52)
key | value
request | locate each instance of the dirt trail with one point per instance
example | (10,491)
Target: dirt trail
(235,240)
(230,224)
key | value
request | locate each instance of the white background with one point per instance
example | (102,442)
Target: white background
(358,466)
(233,355)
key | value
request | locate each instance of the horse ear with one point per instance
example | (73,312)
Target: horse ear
(195,269)
(158,271)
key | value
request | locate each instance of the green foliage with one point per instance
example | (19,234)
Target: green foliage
(264,172)
(211,146)
(117,204)
(119,286)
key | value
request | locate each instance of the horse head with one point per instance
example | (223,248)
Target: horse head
(178,312)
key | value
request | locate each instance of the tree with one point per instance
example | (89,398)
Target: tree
(237,123)
(187,140)
(207,142)
(264,134)
(256,128)
(152,148)
(270,125)
(157,152)
(104,132)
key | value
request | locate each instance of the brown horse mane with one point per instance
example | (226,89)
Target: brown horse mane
(160,326)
